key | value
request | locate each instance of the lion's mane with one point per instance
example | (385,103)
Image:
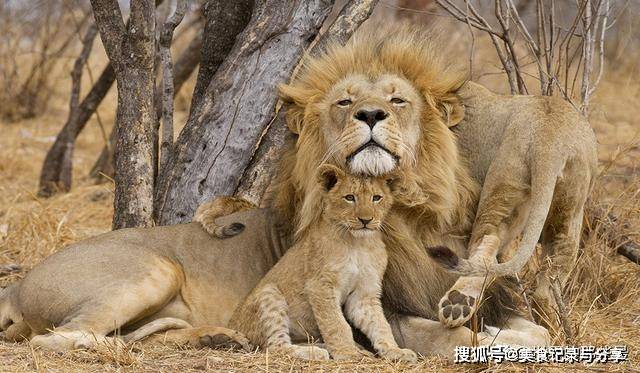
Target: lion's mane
(439,197)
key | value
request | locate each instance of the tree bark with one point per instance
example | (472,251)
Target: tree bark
(216,145)
(224,20)
(258,175)
(185,64)
(131,50)
(168,89)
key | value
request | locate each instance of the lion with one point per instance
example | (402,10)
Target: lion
(337,264)
(386,101)
(537,157)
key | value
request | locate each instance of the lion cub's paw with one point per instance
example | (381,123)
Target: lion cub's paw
(308,352)
(350,354)
(456,308)
(400,354)
(225,340)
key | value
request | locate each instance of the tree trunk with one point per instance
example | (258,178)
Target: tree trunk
(57,163)
(214,148)
(57,168)
(185,64)
(131,50)
(224,21)
(258,175)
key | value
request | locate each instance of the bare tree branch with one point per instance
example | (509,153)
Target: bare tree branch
(166,36)
(57,169)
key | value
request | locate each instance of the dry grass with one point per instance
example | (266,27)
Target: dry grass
(603,294)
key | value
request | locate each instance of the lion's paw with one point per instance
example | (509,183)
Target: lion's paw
(456,308)
(225,340)
(399,354)
(350,354)
(308,352)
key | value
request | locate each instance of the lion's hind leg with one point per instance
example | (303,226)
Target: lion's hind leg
(501,216)
(208,212)
(273,320)
(560,245)
(113,307)
(203,336)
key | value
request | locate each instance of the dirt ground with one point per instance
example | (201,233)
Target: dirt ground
(603,296)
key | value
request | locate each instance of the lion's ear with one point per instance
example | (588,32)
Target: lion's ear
(292,99)
(451,109)
(328,176)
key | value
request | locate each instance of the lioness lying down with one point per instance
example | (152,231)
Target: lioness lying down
(343,260)
(178,278)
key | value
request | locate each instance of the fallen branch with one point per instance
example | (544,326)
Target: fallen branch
(608,226)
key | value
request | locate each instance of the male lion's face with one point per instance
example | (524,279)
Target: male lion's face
(372,125)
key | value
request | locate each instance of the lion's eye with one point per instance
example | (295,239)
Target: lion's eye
(397,101)
(345,102)
(377,198)
(350,198)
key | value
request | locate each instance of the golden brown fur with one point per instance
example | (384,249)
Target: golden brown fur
(208,212)
(439,198)
(338,263)
(537,156)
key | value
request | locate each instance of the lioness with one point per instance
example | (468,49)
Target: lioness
(339,263)
(537,158)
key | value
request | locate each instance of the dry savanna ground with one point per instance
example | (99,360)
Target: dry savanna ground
(603,296)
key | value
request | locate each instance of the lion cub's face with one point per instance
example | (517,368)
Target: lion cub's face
(372,124)
(356,204)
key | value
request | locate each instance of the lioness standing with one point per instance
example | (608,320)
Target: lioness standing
(343,259)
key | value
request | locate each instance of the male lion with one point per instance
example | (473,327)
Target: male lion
(385,101)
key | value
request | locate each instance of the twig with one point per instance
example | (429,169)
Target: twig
(166,36)
(562,310)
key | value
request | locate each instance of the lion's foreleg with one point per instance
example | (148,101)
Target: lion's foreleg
(335,330)
(366,314)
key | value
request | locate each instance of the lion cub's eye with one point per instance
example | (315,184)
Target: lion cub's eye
(344,103)
(376,198)
(350,198)
(397,101)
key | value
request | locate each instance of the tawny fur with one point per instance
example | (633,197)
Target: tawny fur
(98,280)
(208,212)
(339,263)
(373,71)
(537,156)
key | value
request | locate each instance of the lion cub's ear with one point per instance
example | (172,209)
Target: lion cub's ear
(451,109)
(328,176)
(292,97)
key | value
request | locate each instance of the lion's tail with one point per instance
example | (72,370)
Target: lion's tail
(155,326)
(544,173)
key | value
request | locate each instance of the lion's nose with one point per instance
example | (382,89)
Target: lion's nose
(365,221)
(371,117)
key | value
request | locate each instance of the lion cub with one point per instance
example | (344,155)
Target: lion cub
(337,263)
